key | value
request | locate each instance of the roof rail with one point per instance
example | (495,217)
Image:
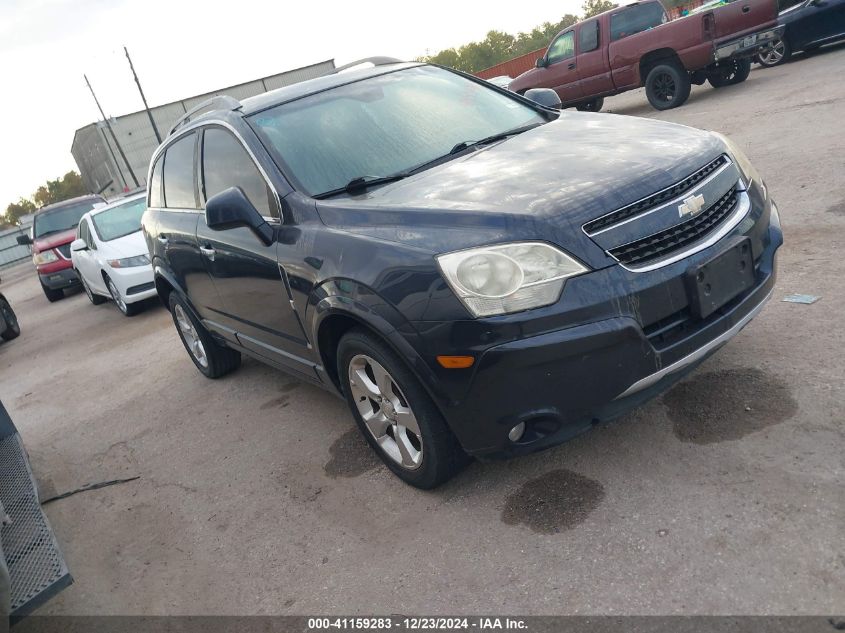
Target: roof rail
(375,61)
(220,102)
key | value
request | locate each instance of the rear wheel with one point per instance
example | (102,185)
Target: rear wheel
(211,358)
(730,73)
(93,298)
(594,105)
(776,53)
(667,86)
(395,414)
(52,295)
(13,329)
(128,309)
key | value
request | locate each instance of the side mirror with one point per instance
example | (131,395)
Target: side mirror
(541,62)
(231,209)
(78,245)
(546,97)
(24,240)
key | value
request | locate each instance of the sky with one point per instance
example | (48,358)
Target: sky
(183,48)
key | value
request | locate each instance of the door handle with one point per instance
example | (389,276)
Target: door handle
(208,252)
(571,66)
(746,9)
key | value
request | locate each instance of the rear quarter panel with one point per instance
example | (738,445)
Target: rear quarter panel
(743,17)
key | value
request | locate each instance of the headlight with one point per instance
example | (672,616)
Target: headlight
(749,173)
(44,257)
(129,262)
(508,277)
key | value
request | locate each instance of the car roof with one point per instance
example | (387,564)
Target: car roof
(117,203)
(68,202)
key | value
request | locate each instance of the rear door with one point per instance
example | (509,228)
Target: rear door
(256,303)
(592,62)
(742,17)
(561,71)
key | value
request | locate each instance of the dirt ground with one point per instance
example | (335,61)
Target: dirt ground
(256,495)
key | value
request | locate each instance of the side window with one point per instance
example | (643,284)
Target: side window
(155,184)
(562,47)
(179,174)
(635,19)
(588,37)
(225,163)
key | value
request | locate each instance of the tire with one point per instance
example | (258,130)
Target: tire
(52,295)
(777,53)
(423,453)
(730,74)
(667,86)
(93,298)
(594,105)
(13,328)
(127,309)
(212,359)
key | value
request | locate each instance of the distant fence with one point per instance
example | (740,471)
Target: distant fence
(512,67)
(10,251)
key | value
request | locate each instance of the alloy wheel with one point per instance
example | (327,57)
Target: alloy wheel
(189,334)
(774,53)
(664,87)
(115,294)
(88,291)
(386,412)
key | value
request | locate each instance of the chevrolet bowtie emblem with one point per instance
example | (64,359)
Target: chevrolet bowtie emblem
(691,206)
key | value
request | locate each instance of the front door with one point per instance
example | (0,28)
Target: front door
(256,303)
(561,71)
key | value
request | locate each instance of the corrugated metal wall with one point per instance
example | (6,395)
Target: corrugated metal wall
(10,251)
(513,67)
(99,161)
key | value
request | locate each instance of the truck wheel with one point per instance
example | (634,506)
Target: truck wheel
(667,86)
(211,358)
(594,105)
(13,329)
(52,295)
(395,414)
(776,53)
(734,72)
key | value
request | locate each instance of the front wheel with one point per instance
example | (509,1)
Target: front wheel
(93,298)
(211,358)
(594,105)
(395,414)
(13,329)
(127,309)
(777,52)
(731,73)
(667,86)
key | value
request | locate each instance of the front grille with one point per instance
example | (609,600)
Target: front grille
(664,243)
(141,288)
(656,199)
(64,250)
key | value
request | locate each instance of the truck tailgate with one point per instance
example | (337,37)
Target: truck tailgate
(741,17)
(36,567)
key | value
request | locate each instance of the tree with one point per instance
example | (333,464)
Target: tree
(68,186)
(594,7)
(18,209)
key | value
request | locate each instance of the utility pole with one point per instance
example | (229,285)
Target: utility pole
(114,137)
(143,98)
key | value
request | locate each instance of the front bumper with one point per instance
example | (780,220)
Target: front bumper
(135,284)
(747,45)
(561,382)
(57,280)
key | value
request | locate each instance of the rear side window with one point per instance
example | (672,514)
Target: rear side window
(588,37)
(225,163)
(179,174)
(562,47)
(640,17)
(155,184)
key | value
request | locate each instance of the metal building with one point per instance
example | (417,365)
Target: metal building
(99,161)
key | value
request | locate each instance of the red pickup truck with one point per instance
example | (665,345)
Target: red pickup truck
(636,45)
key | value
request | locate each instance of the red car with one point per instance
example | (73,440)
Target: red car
(53,229)
(637,45)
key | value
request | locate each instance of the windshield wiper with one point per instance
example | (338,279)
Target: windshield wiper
(361,183)
(459,147)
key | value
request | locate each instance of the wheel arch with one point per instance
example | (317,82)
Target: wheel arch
(656,57)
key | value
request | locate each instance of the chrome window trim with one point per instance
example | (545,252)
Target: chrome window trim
(661,206)
(698,354)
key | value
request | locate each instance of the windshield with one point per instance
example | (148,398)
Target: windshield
(61,219)
(384,125)
(120,220)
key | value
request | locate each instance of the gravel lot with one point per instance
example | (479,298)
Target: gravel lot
(256,495)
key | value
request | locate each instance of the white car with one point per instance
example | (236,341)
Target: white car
(111,257)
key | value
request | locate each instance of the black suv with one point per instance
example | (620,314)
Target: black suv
(474,273)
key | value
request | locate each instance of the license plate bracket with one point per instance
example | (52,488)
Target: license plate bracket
(749,40)
(718,280)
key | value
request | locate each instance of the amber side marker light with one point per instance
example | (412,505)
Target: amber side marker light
(455,362)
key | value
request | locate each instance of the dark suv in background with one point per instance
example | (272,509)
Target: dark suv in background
(474,273)
(53,229)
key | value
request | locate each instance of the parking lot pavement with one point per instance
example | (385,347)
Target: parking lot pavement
(256,495)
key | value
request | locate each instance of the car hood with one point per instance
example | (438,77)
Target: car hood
(126,246)
(53,240)
(542,184)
